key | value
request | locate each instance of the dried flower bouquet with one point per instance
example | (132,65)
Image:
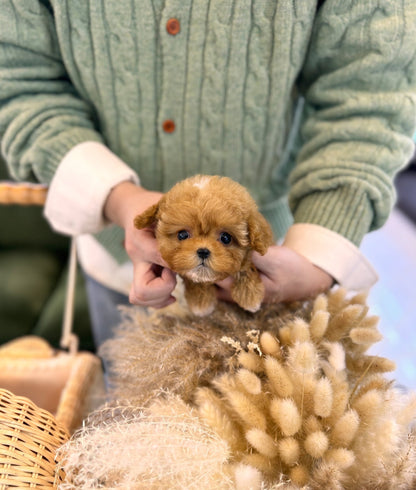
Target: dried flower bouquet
(287,398)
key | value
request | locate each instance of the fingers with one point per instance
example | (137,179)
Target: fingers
(286,276)
(270,262)
(152,286)
(147,247)
(224,289)
(141,245)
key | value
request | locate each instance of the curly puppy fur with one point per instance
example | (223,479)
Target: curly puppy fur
(207,228)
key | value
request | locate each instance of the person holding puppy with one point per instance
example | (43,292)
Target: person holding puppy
(310,105)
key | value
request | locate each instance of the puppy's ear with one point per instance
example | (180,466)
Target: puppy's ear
(260,233)
(147,218)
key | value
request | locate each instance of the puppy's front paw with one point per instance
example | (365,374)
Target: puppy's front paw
(252,307)
(248,301)
(201,298)
(200,310)
(248,291)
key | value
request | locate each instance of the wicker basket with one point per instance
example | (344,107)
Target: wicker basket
(67,385)
(29,438)
(22,193)
(44,393)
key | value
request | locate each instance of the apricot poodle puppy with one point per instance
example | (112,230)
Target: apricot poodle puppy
(207,228)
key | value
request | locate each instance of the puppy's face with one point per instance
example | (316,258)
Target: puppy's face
(206,227)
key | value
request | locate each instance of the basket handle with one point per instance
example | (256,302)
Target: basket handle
(35,194)
(69,340)
(23,193)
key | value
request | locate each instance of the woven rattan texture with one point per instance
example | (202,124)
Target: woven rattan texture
(22,193)
(29,437)
(85,376)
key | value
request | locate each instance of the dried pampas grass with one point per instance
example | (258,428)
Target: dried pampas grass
(176,351)
(164,446)
(290,393)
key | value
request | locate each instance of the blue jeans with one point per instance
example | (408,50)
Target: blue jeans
(104,313)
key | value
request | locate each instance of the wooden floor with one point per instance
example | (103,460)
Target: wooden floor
(392,251)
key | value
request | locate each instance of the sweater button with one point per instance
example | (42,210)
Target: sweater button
(173,26)
(168,126)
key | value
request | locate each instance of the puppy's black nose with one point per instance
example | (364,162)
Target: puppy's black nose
(203,253)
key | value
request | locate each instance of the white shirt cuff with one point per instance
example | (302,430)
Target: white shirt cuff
(80,187)
(332,253)
(97,262)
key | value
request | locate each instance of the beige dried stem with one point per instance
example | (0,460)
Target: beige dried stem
(164,446)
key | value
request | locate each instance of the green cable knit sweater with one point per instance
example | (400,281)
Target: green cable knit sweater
(315,109)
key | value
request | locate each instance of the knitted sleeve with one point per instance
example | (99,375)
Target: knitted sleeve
(359,85)
(41,115)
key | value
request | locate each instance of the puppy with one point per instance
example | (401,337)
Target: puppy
(207,228)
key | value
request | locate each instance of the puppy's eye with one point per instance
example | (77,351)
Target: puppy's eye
(183,235)
(225,238)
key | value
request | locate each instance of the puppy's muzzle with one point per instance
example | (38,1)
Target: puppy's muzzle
(203,253)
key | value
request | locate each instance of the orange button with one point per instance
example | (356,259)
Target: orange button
(168,126)
(173,26)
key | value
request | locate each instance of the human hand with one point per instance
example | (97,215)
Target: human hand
(286,275)
(153,282)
